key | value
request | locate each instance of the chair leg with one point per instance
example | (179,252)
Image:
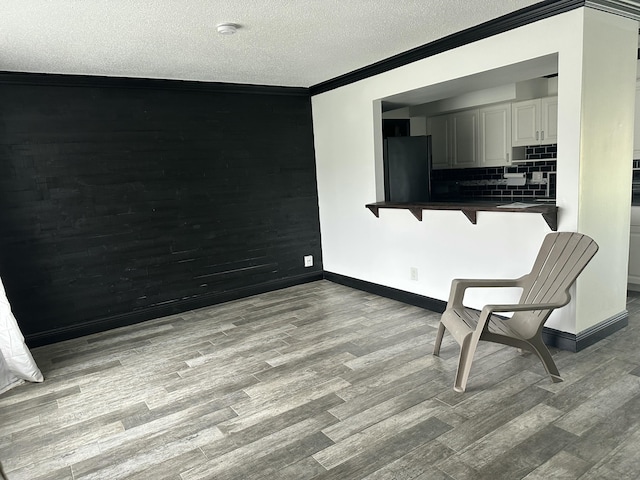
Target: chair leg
(467,351)
(547,360)
(436,347)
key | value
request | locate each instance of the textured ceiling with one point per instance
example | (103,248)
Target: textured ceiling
(281,42)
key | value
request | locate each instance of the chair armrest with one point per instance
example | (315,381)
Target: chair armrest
(488,310)
(459,285)
(488,282)
(523,307)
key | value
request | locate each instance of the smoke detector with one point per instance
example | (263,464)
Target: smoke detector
(227,28)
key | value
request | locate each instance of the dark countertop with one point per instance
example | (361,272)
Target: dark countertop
(549,211)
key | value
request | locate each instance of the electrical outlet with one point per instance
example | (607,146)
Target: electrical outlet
(308,260)
(536,177)
(414,274)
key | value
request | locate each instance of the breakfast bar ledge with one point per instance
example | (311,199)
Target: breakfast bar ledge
(549,211)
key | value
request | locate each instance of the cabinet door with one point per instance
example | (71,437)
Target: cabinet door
(438,128)
(464,126)
(495,136)
(525,127)
(548,120)
(636,125)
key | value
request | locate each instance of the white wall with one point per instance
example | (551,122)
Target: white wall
(606,151)
(445,244)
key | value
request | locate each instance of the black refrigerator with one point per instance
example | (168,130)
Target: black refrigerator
(407,169)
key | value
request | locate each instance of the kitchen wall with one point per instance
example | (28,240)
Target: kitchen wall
(489,183)
(123,200)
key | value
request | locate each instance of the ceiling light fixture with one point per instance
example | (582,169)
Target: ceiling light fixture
(227,28)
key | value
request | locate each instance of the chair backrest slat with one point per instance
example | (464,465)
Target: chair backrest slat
(562,256)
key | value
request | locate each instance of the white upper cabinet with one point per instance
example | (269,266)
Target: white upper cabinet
(549,120)
(495,135)
(454,139)
(535,122)
(438,128)
(525,128)
(484,137)
(464,126)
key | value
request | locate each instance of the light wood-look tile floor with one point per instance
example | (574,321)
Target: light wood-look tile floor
(319,381)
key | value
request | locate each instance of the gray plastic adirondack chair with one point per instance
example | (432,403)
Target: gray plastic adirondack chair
(562,256)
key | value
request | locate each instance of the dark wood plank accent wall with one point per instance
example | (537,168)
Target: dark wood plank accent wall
(120,203)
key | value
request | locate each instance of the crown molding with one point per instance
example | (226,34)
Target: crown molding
(519,18)
(625,8)
(92,81)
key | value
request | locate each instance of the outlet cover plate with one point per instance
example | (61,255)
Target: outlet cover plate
(414,274)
